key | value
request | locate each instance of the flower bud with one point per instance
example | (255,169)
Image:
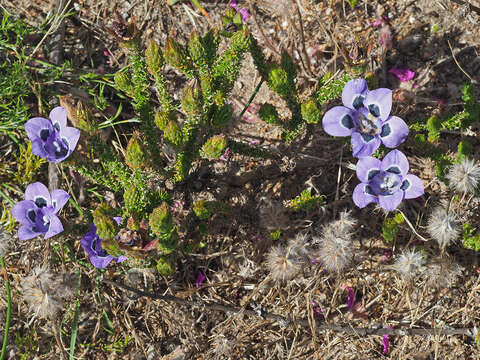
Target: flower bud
(269,114)
(124,82)
(106,228)
(195,48)
(166,265)
(176,56)
(192,99)
(173,133)
(214,147)
(133,199)
(310,112)
(160,220)
(153,57)
(135,156)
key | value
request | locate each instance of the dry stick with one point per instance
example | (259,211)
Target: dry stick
(472,7)
(284,321)
(473,81)
(304,46)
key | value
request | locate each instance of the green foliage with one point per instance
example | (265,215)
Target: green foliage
(464,150)
(352,3)
(441,167)
(214,147)
(135,156)
(306,201)
(390,227)
(269,114)
(203,209)
(177,56)
(161,221)
(27,164)
(275,234)
(433,126)
(470,237)
(135,200)
(192,99)
(166,265)
(310,112)
(103,220)
(153,57)
(331,89)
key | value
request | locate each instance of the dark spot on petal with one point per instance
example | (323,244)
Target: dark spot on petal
(44,133)
(372,173)
(62,149)
(40,201)
(386,130)
(358,102)
(347,121)
(394,169)
(35,229)
(368,190)
(57,126)
(374,110)
(405,185)
(31,215)
(367,138)
(54,203)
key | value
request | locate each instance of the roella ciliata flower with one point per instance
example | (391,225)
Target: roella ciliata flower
(52,139)
(37,214)
(386,182)
(365,117)
(92,245)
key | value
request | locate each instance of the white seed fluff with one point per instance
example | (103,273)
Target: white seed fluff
(443,227)
(409,264)
(465,176)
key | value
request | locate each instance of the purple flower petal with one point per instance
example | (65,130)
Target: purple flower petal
(350,297)
(402,74)
(57,148)
(101,262)
(72,135)
(233,4)
(386,342)
(200,279)
(25,212)
(367,168)
(339,121)
(364,145)
(59,199)
(38,149)
(379,102)
(58,117)
(118,220)
(26,232)
(354,92)
(38,128)
(395,162)
(38,193)
(245,14)
(412,186)
(120,259)
(55,227)
(394,132)
(390,202)
(363,195)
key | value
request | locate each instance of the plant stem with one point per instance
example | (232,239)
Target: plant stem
(9,308)
(251,98)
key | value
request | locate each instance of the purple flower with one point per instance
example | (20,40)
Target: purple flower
(92,245)
(402,74)
(52,139)
(243,11)
(37,214)
(365,117)
(350,298)
(386,182)
(200,279)
(386,342)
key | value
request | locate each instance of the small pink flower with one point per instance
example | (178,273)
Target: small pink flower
(386,342)
(200,279)
(317,311)
(379,22)
(402,74)
(350,298)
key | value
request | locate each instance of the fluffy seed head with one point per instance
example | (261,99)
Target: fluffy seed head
(409,263)
(465,176)
(298,247)
(45,293)
(335,252)
(282,263)
(443,226)
(442,273)
(344,225)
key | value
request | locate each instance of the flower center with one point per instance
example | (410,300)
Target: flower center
(385,183)
(368,124)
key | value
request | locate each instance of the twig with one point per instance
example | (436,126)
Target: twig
(473,81)
(472,7)
(304,46)
(245,108)
(411,226)
(285,321)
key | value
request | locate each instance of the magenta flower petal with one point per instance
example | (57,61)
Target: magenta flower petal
(58,116)
(394,132)
(350,297)
(354,92)
(200,279)
(59,199)
(412,186)
(402,74)
(39,194)
(367,168)
(245,14)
